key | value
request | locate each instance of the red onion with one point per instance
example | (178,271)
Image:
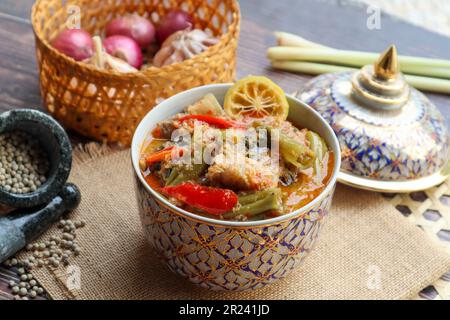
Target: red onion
(124,48)
(75,43)
(133,26)
(174,21)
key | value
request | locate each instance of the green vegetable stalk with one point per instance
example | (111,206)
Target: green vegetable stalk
(320,149)
(295,153)
(292,152)
(180,175)
(256,203)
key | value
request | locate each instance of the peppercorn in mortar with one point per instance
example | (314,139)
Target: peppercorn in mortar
(23,163)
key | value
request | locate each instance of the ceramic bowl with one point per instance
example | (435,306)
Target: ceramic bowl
(56,143)
(230,255)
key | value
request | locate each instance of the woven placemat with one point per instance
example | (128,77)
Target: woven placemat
(366,251)
(430,211)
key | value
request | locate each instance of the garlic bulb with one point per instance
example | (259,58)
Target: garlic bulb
(104,61)
(183,45)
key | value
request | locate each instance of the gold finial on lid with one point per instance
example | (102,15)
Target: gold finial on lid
(381,85)
(386,67)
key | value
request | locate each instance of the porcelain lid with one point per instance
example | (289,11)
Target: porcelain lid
(392,138)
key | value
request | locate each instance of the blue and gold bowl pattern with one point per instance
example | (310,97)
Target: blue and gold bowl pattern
(229,258)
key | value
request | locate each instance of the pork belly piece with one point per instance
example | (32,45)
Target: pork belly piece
(241,173)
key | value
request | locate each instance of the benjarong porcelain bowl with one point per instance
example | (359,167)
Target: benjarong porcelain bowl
(230,255)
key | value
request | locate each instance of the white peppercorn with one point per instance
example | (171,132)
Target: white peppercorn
(68,236)
(24,164)
(80,224)
(23,291)
(54,252)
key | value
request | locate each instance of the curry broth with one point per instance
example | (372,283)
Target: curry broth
(305,189)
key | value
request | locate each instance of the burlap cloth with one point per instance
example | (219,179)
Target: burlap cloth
(366,251)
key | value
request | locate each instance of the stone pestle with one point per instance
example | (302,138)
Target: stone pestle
(22,226)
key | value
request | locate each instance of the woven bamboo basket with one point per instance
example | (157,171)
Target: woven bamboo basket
(105,105)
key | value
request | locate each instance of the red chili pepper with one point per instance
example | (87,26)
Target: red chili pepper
(159,156)
(214,121)
(211,200)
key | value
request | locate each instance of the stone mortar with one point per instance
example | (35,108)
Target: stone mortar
(55,142)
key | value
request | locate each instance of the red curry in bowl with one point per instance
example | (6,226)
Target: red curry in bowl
(242,161)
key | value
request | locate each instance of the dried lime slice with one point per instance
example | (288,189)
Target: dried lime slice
(256,97)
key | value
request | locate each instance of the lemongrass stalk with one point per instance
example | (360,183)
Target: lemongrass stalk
(343,58)
(428,84)
(309,67)
(346,57)
(421,83)
(292,40)
(319,68)
(338,57)
(433,72)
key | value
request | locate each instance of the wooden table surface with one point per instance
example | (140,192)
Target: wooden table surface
(332,22)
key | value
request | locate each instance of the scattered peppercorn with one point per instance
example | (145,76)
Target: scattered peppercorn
(54,252)
(23,291)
